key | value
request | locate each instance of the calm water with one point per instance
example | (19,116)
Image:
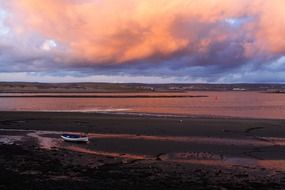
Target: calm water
(234,104)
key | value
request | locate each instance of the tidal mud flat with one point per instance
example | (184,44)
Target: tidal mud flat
(143,152)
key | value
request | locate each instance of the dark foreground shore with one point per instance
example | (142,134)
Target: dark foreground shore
(140,152)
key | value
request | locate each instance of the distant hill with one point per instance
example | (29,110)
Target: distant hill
(133,87)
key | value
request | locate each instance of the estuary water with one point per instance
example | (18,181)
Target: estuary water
(198,103)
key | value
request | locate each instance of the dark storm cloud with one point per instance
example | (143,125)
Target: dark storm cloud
(221,40)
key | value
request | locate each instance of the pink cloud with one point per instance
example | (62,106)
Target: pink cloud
(118,32)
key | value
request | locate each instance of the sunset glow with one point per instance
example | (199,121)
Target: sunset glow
(185,40)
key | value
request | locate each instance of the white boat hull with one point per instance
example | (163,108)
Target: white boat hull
(70,139)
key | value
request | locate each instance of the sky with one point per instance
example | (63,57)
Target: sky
(161,41)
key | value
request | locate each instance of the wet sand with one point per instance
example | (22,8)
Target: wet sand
(143,152)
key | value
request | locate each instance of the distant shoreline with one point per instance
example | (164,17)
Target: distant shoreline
(26,87)
(103,96)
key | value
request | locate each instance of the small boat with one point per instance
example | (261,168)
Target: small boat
(74,138)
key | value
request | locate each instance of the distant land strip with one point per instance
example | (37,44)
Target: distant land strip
(103,96)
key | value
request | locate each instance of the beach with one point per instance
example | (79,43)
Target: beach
(140,151)
(142,95)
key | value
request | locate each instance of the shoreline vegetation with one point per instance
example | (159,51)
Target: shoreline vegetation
(101,96)
(143,152)
(26,87)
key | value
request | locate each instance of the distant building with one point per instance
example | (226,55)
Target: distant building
(239,89)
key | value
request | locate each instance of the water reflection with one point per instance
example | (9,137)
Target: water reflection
(233,104)
(203,155)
